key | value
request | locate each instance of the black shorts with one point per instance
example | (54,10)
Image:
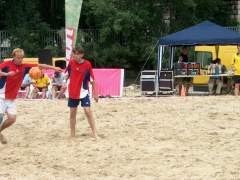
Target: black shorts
(185,81)
(40,89)
(85,102)
(58,88)
(236,79)
(22,88)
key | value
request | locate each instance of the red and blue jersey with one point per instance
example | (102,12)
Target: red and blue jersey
(79,76)
(9,85)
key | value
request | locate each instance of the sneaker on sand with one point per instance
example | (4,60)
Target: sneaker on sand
(3,140)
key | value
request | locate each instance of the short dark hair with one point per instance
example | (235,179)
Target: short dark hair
(78,50)
(217,60)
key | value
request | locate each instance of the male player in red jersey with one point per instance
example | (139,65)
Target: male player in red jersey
(80,74)
(12,74)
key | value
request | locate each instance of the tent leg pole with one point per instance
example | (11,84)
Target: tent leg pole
(172,57)
(159,65)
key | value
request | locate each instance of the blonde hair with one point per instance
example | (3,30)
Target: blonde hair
(17,51)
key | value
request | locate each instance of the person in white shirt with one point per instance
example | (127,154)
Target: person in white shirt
(27,81)
(58,85)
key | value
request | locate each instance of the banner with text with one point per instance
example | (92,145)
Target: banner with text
(72,15)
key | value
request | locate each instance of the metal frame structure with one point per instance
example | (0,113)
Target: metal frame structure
(148,76)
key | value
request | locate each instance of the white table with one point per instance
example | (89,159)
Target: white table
(206,75)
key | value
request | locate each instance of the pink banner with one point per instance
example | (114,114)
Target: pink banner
(48,72)
(109,81)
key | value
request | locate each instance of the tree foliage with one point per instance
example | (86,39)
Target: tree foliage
(127,30)
(22,20)
(185,13)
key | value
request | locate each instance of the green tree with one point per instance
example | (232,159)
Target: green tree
(24,25)
(218,11)
(2,15)
(52,12)
(127,30)
(185,13)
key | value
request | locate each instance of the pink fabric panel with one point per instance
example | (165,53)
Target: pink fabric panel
(49,72)
(108,81)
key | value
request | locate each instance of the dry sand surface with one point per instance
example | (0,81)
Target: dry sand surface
(140,138)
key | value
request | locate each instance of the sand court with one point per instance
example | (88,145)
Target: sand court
(140,138)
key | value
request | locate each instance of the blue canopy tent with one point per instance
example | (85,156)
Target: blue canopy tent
(205,33)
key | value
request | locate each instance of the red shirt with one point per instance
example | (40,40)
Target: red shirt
(79,76)
(9,86)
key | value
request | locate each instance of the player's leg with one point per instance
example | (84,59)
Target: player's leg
(2,111)
(236,90)
(219,83)
(210,86)
(34,93)
(91,121)
(44,90)
(54,91)
(85,103)
(62,91)
(73,116)
(73,104)
(2,138)
(11,118)
(27,91)
(180,84)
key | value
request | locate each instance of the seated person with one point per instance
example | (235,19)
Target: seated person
(184,55)
(216,68)
(186,81)
(58,84)
(41,85)
(27,81)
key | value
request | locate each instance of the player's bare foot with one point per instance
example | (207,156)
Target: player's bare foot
(73,134)
(3,140)
(95,136)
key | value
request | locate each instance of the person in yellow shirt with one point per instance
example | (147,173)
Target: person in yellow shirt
(236,69)
(41,85)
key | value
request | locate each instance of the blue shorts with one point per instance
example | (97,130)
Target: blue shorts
(85,102)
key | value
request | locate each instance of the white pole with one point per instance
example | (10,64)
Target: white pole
(159,66)
(172,57)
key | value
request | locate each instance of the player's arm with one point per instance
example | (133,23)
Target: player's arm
(11,73)
(67,72)
(94,87)
(45,66)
